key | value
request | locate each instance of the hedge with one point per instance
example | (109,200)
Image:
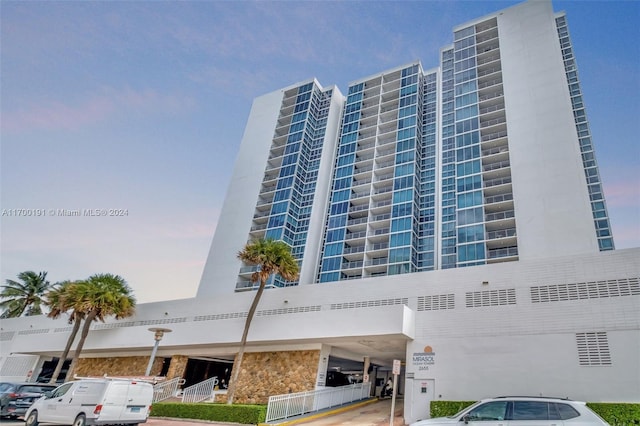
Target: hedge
(236,413)
(616,414)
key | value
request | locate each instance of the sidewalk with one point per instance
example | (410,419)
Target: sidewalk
(368,413)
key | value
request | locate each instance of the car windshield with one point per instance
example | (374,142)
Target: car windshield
(465,409)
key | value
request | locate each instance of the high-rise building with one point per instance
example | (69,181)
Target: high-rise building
(451,219)
(486,158)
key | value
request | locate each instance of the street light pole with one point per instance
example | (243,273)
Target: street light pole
(159,332)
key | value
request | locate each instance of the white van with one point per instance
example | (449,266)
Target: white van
(93,402)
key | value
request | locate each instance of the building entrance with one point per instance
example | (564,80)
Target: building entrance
(200,369)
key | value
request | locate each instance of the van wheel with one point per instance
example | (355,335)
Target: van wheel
(32,420)
(81,420)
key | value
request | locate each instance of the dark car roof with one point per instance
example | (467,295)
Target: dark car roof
(21,384)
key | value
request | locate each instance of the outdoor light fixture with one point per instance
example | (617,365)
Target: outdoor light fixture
(159,332)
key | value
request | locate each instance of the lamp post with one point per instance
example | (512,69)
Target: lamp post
(159,332)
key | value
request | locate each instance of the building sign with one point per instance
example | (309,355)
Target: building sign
(396,366)
(422,360)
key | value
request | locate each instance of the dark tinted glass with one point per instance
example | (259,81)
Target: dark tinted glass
(530,410)
(566,411)
(495,410)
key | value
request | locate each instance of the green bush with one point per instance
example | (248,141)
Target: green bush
(614,414)
(617,414)
(447,408)
(238,413)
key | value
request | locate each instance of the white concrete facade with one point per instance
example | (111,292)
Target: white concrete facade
(511,328)
(562,320)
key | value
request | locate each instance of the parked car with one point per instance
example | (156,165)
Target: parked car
(16,398)
(93,402)
(521,411)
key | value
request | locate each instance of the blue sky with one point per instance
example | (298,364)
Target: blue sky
(141,106)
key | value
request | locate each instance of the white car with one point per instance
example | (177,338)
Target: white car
(93,402)
(524,411)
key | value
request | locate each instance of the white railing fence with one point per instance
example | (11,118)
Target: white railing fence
(167,389)
(200,391)
(295,404)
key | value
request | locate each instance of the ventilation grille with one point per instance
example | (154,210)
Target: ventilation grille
(436,303)
(216,317)
(36,331)
(284,311)
(593,349)
(139,323)
(370,303)
(62,329)
(588,290)
(477,299)
(7,335)
(19,365)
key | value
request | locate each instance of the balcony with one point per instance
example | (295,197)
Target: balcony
(504,254)
(494,135)
(498,181)
(492,122)
(377,261)
(501,233)
(360,182)
(353,249)
(488,82)
(355,235)
(490,217)
(352,265)
(496,165)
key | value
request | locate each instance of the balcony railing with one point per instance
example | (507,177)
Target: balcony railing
(500,215)
(498,198)
(502,233)
(492,136)
(354,235)
(378,261)
(497,181)
(504,252)
(352,250)
(352,265)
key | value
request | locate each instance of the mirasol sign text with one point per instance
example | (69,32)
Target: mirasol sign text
(422,360)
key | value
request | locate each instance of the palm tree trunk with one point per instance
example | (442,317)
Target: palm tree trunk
(83,336)
(67,348)
(243,342)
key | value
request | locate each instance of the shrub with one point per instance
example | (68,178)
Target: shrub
(617,414)
(237,413)
(447,408)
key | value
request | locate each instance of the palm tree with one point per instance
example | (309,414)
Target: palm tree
(60,301)
(26,297)
(99,296)
(272,257)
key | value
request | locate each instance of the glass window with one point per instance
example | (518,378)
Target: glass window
(530,410)
(495,410)
(566,411)
(470,234)
(61,390)
(402,196)
(399,240)
(335,235)
(402,224)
